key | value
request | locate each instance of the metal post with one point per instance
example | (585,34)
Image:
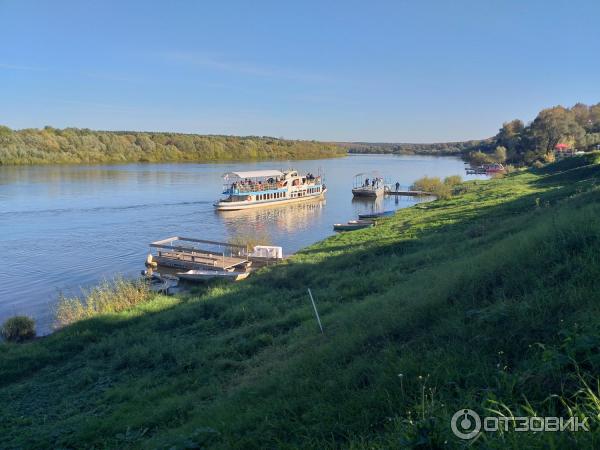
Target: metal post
(315,308)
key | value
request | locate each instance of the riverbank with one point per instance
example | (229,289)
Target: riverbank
(83,146)
(486,300)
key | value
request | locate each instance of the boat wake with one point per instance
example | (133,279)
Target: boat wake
(53,211)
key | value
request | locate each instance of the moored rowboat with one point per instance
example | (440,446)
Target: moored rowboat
(350,226)
(376,215)
(202,275)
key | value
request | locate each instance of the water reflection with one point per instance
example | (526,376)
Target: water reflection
(276,219)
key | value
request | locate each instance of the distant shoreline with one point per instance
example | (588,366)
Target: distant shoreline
(83,146)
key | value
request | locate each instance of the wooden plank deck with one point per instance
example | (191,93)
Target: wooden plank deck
(196,260)
(183,253)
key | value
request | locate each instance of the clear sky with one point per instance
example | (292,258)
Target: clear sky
(393,71)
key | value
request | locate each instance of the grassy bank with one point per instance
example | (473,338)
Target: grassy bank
(77,146)
(487,300)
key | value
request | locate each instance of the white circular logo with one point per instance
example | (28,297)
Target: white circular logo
(465,424)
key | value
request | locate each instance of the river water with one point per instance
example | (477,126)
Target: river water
(64,228)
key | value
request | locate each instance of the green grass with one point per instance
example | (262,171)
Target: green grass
(487,300)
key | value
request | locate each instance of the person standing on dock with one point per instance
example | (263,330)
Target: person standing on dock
(397,186)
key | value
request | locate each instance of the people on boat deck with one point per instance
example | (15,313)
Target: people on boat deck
(367,182)
(248,185)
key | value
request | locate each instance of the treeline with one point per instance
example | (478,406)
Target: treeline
(439,148)
(517,143)
(73,145)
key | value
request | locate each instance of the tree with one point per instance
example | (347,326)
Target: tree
(500,154)
(512,137)
(553,125)
(581,113)
(595,117)
(479,158)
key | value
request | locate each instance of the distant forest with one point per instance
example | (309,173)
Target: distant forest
(577,127)
(72,145)
(440,148)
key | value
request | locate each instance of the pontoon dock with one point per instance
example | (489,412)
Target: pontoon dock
(185,253)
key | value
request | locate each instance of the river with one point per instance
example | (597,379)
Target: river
(64,228)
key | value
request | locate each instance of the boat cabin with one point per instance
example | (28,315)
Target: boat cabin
(249,189)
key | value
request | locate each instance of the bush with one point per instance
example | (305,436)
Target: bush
(538,164)
(18,329)
(435,186)
(453,180)
(427,184)
(108,297)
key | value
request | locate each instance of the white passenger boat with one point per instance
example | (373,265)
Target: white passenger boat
(259,188)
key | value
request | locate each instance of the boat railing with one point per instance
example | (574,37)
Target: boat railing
(237,188)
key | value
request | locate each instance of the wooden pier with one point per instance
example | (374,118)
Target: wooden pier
(409,192)
(186,253)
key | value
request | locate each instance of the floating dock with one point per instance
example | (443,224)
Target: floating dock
(176,253)
(409,193)
(188,253)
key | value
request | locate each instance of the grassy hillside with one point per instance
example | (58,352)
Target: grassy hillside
(72,145)
(486,301)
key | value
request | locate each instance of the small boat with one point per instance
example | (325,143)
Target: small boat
(350,226)
(363,221)
(203,275)
(376,215)
(159,283)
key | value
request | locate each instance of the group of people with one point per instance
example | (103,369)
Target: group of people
(376,182)
(251,185)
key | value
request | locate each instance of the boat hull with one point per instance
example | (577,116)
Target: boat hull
(351,227)
(203,275)
(376,215)
(362,192)
(236,206)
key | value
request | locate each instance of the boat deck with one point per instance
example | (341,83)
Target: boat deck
(198,260)
(187,255)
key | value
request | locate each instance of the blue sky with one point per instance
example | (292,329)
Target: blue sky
(393,71)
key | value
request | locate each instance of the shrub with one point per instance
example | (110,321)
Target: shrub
(108,297)
(427,184)
(18,329)
(435,186)
(453,180)
(538,164)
